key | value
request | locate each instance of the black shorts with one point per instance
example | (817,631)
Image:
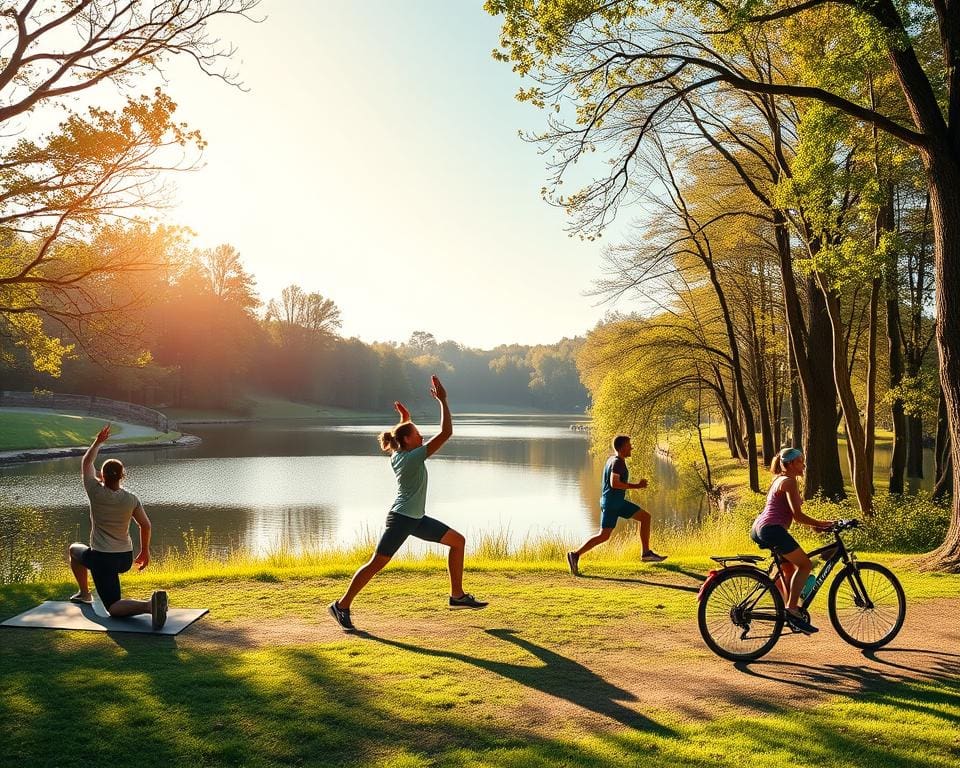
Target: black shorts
(775,538)
(399,527)
(105,568)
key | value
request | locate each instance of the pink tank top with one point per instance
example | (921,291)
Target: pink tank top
(777,509)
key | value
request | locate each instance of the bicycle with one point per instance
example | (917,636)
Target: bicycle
(741,611)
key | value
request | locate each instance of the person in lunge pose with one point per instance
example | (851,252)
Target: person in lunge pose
(111,550)
(407,516)
(769,530)
(614,505)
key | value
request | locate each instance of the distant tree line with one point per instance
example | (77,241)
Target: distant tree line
(204,339)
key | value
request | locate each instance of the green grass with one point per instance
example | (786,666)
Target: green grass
(28,430)
(526,683)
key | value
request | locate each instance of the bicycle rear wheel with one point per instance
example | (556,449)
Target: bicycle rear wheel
(867,605)
(741,614)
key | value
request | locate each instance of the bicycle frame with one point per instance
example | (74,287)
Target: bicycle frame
(840,554)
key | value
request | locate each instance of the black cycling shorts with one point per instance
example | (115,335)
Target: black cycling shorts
(776,538)
(105,568)
(399,527)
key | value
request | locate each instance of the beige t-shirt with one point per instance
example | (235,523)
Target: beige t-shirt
(110,515)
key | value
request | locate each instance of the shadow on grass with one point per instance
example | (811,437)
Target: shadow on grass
(72,699)
(556,676)
(645,582)
(79,699)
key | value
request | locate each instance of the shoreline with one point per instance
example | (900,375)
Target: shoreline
(45,454)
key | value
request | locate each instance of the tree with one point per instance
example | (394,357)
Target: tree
(647,56)
(59,189)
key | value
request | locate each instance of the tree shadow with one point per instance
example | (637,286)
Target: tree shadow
(645,582)
(556,676)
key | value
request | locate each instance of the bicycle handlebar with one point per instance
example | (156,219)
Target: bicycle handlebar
(842,525)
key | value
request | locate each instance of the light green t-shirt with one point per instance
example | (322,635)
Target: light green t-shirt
(110,515)
(411,472)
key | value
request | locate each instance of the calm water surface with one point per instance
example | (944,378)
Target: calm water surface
(301,485)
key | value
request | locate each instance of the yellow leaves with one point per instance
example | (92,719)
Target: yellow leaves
(26,329)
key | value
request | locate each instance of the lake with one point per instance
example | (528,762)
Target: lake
(301,485)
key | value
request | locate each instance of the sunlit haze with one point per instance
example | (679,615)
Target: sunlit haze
(376,159)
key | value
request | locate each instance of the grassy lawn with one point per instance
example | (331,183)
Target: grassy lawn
(606,670)
(24,430)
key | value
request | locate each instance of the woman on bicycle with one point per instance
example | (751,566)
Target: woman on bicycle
(407,516)
(770,530)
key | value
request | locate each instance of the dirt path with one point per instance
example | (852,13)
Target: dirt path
(620,675)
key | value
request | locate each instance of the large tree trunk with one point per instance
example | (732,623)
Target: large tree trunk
(870,406)
(944,466)
(895,354)
(944,175)
(860,471)
(914,446)
(796,412)
(816,431)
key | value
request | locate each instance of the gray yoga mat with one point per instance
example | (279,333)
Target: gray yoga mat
(52,614)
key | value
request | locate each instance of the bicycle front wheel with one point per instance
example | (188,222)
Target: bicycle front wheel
(741,614)
(867,605)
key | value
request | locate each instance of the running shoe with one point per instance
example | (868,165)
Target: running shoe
(466,601)
(573,563)
(652,557)
(800,624)
(341,616)
(158,608)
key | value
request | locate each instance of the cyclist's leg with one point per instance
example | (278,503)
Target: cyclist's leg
(787,569)
(802,568)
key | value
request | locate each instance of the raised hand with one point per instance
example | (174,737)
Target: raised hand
(436,389)
(103,435)
(401,409)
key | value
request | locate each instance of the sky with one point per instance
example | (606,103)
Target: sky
(375,159)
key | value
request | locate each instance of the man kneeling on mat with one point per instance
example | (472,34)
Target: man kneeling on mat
(111,550)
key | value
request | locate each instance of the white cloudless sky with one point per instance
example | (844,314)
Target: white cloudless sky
(375,159)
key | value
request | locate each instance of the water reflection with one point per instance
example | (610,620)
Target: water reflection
(295,485)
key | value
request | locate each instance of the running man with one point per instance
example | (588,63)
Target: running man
(111,550)
(614,505)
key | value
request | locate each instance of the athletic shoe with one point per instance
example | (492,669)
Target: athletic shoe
(158,608)
(573,563)
(80,599)
(800,624)
(652,557)
(341,616)
(467,601)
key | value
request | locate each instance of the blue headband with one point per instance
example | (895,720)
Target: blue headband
(790,454)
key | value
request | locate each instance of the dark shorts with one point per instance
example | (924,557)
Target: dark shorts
(105,568)
(776,538)
(613,512)
(399,527)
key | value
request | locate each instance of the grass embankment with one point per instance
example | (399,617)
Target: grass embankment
(26,430)
(603,670)
(264,408)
